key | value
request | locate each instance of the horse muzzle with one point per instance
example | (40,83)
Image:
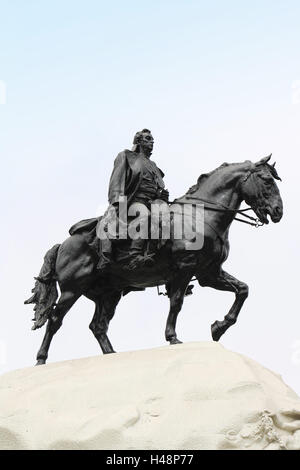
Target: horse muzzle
(275,214)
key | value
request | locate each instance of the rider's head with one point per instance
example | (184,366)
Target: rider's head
(143,142)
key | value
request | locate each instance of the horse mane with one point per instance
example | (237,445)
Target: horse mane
(205,176)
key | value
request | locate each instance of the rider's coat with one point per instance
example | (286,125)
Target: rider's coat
(134,175)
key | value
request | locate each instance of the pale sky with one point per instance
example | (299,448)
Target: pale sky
(214,81)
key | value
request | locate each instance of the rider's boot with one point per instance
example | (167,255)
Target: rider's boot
(137,257)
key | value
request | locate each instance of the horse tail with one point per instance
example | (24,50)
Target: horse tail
(45,291)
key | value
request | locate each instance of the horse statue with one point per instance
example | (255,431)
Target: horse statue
(73,264)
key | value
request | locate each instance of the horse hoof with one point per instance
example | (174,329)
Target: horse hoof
(110,352)
(216,331)
(175,341)
(40,362)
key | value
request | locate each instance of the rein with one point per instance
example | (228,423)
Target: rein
(257,223)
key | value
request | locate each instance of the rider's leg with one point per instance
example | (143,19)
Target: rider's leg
(137,256)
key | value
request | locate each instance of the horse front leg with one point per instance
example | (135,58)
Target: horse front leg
(176,291)
(226,282)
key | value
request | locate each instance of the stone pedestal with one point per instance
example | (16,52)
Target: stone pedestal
(189,396)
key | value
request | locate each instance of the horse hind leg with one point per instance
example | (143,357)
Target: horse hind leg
(65,302)
(104,312)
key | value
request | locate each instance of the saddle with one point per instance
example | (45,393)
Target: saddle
(88,229)
(86,225)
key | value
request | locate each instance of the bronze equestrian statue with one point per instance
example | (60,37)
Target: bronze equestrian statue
(74,264)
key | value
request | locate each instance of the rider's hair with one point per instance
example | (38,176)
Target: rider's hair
(138,136)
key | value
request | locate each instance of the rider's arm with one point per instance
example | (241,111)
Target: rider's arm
(117,179)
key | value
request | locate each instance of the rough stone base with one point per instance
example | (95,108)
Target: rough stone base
(190,396)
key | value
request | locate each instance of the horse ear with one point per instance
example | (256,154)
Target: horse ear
(263,161)
(273,165)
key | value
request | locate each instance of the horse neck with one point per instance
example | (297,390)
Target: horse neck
(222,187)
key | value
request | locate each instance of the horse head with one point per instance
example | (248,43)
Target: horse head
(260,191)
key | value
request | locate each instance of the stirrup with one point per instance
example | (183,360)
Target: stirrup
(139,261)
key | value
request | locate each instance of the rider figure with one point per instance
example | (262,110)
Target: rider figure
(138,178)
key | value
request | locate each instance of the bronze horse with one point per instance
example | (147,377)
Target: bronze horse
(73,263)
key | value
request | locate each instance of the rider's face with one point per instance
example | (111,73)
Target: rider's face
(147,143)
